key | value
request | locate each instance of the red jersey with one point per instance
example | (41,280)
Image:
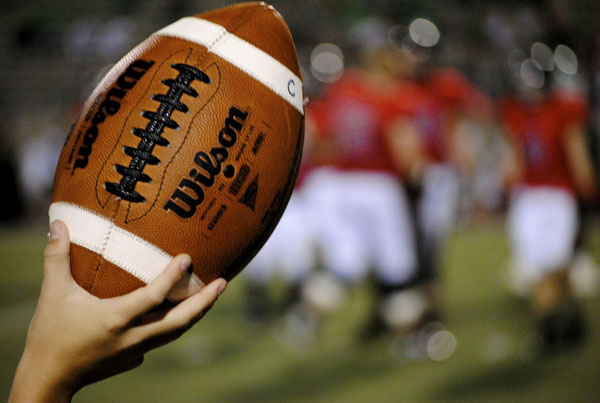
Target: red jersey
(452,90)
(540,131)
(416,101)
(433,104)
(453,93)
(350,116)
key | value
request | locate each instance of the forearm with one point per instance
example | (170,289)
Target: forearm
(580,164)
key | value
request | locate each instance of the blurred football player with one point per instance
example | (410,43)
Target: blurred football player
(360,205)
(432,150)
(547,168)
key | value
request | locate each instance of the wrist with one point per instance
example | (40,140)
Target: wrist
(36,383)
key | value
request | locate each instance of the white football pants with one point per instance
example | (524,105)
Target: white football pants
(542,227)
(362,220)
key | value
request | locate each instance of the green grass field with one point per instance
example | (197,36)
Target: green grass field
(224,360)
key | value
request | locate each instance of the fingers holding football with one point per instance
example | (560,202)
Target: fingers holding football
(172,323)
(57,254)
(192,309)
(134,322)
(154,294)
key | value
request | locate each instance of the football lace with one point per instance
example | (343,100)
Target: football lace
(151,135)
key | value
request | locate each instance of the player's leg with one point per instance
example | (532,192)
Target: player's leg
(389,236)
(543,225)
(330,195)
(296,254)
(437,209)
(289,255)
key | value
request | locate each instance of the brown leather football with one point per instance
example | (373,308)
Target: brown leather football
(190,144)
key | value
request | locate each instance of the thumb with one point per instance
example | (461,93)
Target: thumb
(57,253)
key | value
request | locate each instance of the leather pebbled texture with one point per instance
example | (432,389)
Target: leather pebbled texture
(190,165)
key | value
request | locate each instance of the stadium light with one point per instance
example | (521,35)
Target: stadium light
(565,59)
(542,57)
(327,62)
(424,32)
(531,74)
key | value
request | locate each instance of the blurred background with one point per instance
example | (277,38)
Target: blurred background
(474,330)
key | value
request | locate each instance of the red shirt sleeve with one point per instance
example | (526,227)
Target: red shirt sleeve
(573,107)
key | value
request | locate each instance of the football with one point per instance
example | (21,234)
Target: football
(190,144)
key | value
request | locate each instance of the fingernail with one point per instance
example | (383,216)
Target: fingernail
(54,231)
(222,288)
(185,262)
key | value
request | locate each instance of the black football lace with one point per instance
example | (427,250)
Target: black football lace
(151,136)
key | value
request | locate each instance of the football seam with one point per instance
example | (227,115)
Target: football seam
(209,49)
(101,258)
(168,166)
(247,55)
(114,236)
(122,131)
(234,29)
(155,133)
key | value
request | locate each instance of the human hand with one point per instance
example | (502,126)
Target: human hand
(75,338)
